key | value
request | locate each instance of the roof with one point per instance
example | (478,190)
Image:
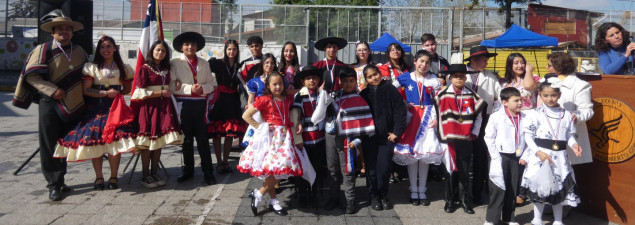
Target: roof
(382,43)
(555,8)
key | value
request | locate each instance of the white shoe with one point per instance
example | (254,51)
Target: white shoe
(513,223)
(149,182)
(488,223)
(536,222)
(558,223)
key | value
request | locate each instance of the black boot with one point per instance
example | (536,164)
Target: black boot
(386,203)
(188,160)
(465,204)
(375,203)
(350,207)
(449,207)
(332,203)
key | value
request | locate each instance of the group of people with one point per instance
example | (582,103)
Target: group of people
(326,122)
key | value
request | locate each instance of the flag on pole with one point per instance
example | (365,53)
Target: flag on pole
(151,32)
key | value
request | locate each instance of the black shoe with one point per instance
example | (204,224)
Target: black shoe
(65,189)
(467,208)
(425,202)
(55,194)
(331,204)
(385,203)
(98,186)
(350,207)
(449,207)
(184,177)
(113,185)
(414,201)
(280,212)
(254,208)
(375,203)
(210,179)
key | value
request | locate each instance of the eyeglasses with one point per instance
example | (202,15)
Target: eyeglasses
(362,50)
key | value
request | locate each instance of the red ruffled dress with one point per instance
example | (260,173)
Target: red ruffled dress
(157,118)
(272,151)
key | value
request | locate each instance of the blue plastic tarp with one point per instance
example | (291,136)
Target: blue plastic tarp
(381,44)
(520,37)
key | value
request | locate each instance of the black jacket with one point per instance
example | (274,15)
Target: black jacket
(388,109)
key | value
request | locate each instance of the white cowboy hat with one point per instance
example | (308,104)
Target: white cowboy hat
(48,26)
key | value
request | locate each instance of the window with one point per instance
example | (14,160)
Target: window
(560,27)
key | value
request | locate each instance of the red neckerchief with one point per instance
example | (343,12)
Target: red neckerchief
(192,64)
(516,123)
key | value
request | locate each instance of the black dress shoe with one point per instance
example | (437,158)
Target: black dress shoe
(210,179)
(414,201)
(55,194)
(280,212)
(425,202)
(375,203)
(97,186)
(467,208)
(65,189)
(254,208)
(449,207)
(184,177)
(113,185)
(385,203)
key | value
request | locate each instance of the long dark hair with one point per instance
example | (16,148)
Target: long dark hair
(268,80)
(509,71)
(99,59)
(370,54)
(261,65)
(165,63)
(402,60)
(283,61)
(226,58)
(600,37)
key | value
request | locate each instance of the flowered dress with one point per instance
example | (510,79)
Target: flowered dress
(542,123)
(528,98)
(419,142)
(85,140)
(157,118)
(361,81)
(272,150)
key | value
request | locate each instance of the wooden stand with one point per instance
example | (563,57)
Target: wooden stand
(607,186)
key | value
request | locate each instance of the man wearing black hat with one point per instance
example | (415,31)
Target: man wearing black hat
(486,85)
(191,82)
(330,64)
(52,75)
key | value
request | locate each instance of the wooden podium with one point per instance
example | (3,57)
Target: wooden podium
(607,186)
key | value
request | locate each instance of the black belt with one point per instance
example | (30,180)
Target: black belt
(550,144)
(108,87)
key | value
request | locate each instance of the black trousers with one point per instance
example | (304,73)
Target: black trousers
(317,155)
(505,200)
(480,166)
(456,183)
(194,126)
(336,164)
(378,158)
(50,128)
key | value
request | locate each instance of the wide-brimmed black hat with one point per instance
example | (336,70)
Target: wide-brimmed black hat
(188,37)
(321,44)
(308,70)
(457,68)
(479,51)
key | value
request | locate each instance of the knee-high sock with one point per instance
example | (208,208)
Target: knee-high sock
(412,177)
(423,178)
(557,212)
(538,208)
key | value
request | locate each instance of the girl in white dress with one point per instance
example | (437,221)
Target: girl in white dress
(548,177)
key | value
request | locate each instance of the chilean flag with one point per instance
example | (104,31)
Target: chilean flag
(151,32)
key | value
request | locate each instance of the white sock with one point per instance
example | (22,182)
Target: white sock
(258,196)
(538,208)
(275,203)
(423,178)
(557,212)
(412,177)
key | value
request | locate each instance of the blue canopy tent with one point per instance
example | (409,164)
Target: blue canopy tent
(382,43)
(518,37)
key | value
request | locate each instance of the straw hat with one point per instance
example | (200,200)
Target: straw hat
(48,26)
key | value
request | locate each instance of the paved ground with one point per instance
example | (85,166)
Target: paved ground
(23,198)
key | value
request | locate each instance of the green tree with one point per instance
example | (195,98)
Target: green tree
(505,6)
